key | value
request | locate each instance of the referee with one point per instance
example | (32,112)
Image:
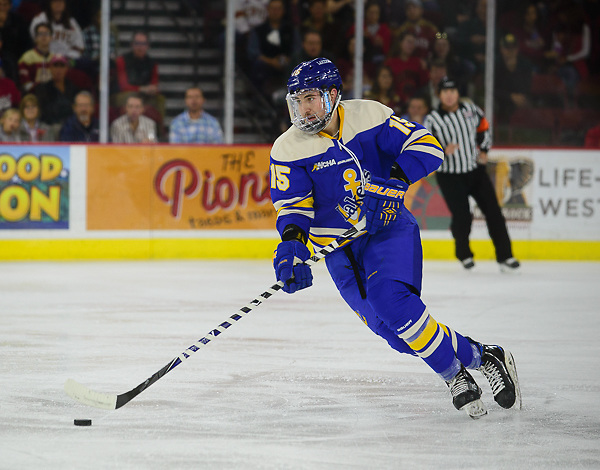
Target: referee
(463,132)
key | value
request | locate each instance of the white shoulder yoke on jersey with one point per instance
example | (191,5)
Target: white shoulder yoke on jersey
(294,145)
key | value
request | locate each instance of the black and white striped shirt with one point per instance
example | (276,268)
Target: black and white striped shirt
(467,127)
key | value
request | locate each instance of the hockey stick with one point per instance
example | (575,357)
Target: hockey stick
(110,401)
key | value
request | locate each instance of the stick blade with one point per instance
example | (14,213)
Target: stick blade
(82,394)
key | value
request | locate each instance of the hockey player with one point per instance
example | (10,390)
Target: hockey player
(345,160)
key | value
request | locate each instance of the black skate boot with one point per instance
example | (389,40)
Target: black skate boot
(466,394)
(498,366)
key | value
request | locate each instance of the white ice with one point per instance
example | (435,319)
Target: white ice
(300,382)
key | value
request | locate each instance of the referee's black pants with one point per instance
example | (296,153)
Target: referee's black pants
(456,189)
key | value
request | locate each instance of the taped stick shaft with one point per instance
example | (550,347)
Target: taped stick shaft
(110,401)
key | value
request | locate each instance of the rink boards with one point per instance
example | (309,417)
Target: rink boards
(171,201)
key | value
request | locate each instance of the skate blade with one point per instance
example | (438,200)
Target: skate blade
(475,409)
(512,371)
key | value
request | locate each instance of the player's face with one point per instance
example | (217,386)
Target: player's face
(310,104)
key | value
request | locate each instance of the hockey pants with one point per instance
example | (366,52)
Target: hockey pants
(379,277)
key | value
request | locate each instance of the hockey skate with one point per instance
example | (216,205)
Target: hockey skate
(498,366)
(509,265)
(466,394)
(468,263)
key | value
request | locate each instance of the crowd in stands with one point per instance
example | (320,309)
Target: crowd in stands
(547,66)
(547,52)
(49,69)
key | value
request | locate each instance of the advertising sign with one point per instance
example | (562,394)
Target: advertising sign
(179,188)
(34,187)
(543,194)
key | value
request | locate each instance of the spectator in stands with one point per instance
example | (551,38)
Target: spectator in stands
(195,125)
(384,91)
(571,46)
(319,20)
(377,34)
(81,126)
(249,14)
(342,12)
(529,35)
(9,125)
(312,47)
(471,37)
(91,39)
(138,73)
(34,65)
(437,71)
(462,70)
(67,38)
(422,29)
(345,64)
(13,31)
(90,59)
(32,129)
(410,72)
(512,84)
(56,96)
(417,109)
(270,47)
(455,14)
(133,127)
(9,63)
(9,93)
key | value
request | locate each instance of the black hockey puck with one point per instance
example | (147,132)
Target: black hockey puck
(82,422)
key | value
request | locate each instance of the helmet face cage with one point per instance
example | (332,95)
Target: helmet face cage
(311,123)
(319,75)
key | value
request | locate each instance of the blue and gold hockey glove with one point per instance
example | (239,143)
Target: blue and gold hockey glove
(383,202)
(289,266)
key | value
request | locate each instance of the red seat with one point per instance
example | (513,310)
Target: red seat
(543,119)
(548,90)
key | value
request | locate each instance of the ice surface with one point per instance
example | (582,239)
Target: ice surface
(300,383)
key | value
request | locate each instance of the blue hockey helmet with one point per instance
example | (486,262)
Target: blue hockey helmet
(318,74)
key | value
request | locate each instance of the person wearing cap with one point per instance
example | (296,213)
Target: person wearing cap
(513,76)
(56,96)
(463,131)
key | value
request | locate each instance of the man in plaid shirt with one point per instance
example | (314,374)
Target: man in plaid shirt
(195,125)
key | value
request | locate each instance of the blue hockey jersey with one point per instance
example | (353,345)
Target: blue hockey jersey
(317,180)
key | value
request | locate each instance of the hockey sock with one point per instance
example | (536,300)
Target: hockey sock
(429,341)
(467,350)
(405,313)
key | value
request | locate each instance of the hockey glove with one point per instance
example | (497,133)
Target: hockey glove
(289,266)
(383,202)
